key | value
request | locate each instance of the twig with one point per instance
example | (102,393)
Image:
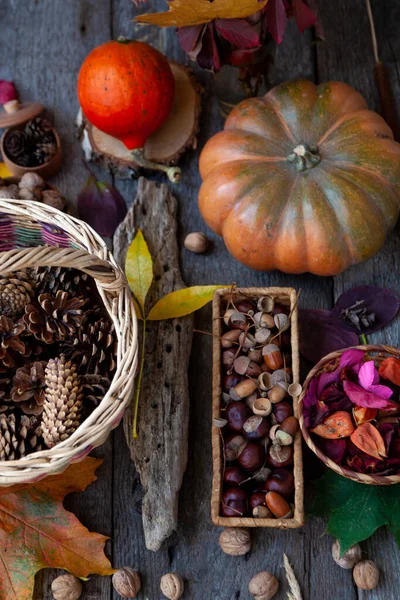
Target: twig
(295,592)
(373,32)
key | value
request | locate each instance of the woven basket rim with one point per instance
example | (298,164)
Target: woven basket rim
(93,258)
(316,370)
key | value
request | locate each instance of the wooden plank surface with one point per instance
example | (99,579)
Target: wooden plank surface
(43,43)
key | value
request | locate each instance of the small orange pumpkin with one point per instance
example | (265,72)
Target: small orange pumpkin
(304,179)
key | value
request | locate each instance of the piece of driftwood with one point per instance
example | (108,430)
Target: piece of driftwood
(160,451)
(165,146)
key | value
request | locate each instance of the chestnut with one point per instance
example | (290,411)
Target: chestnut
(290,426)
(234,476)
(257,499)
(252,457)
(236,414)
(280,456)
(245,306)
(230,380)
(234,503)
(255,428)
(281,481)
(282,411)
(234,445)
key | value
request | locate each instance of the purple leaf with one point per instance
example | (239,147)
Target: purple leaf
(208,57)
(366,308)
(190,38)
(320,335)
(238,32)
(304,16)
(102,206)
(275,15)
(367,399)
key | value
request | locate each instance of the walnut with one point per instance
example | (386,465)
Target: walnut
(196,242)
(366,575)
(126,582)
(54,199)
(235,541)
(66,587)
(263,586)
(349,559)
(32,180)
(172,586)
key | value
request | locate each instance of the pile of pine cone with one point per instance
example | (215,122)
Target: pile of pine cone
(57,352)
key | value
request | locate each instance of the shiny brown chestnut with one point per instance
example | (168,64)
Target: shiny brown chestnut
(255,428)
(245,306)
(282,411)
(257,499)
(290,426)
(234,476)
(234,503)
(252,457)
(230,380)
(234,444)
(280,481)
(236,414)
(280,456)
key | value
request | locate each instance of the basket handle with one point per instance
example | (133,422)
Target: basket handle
(47,256)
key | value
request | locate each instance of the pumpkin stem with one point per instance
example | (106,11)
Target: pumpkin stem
(173,173)
(304,157)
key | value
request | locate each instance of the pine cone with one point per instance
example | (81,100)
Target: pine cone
(5,386)
(54,318)
(94,389)
(29,435)
(8,438)
(19,436)
(51,279)
(93,348)
(28,388)
(37,127)
(63,404)
(11,346)
(15,144)
(16,290)
(45,151)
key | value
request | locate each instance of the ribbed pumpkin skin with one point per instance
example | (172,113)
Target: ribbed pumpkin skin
(322,219)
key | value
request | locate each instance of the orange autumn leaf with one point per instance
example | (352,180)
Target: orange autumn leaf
(338,425)
(390,369)
(368,439)
(37,532)
(364,415)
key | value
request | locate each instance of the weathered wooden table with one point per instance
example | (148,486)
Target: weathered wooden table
(42,44)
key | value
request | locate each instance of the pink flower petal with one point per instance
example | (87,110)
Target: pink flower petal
(368,375)
(352,358)
(381,390)
(362,397)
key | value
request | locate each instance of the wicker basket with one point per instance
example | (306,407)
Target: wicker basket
(329,363)
(287,297)
(31,235)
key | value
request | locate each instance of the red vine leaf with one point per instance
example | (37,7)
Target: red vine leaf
(238,32)
(276,18)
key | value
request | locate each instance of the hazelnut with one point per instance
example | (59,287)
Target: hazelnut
(196,242)
(54,199)
(172,586)
(30,194)
(32,180)
(66,587)
(235,541)
(263,586)
(126,582)
(349,559)
(366,575)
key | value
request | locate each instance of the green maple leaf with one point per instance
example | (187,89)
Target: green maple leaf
(356,510)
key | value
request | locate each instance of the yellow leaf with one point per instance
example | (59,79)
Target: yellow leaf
(182,13)
(139,268)
(182,302)
(138,310)
(4,172)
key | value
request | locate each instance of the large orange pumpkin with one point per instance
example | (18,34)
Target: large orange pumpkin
(304,179)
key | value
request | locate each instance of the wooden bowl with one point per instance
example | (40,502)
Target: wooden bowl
(329,363)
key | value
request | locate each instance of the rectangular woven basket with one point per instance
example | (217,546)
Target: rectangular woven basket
(287,297)
(35,235)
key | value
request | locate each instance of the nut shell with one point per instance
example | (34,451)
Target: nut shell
(196,242)
(263,586)
(235,541)
(32,180)
(366,575)
(126,582)
(172,586)
(66,587)
(349,559)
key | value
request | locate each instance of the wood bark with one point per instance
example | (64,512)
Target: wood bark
(160,451)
